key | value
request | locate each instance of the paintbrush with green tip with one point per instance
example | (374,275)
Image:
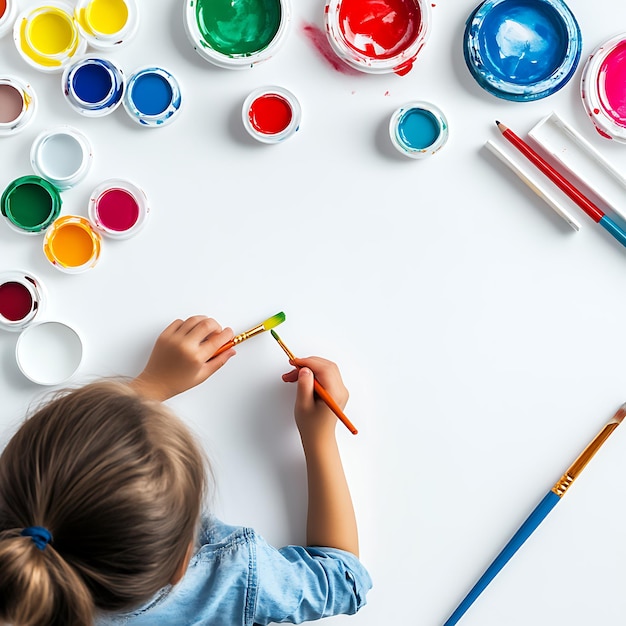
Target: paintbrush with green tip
(268,324)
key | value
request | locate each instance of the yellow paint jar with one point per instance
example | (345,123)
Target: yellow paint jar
(107,23)
(47,37)
(71,244)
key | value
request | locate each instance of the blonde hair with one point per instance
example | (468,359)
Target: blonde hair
(118,481)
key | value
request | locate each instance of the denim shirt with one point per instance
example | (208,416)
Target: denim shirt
(236,578)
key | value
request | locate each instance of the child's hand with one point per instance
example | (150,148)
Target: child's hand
(180,357)
(315,421)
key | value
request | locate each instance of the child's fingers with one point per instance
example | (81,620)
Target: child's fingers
(291,377)
(305,401)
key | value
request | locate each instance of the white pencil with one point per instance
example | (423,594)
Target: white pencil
(533,184)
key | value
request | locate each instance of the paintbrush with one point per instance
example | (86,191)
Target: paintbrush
(319,390)
(550,500)
(268,324)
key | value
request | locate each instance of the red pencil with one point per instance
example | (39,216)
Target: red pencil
(561,182)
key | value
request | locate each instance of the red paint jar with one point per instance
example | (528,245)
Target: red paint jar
(271,114)
(378,36)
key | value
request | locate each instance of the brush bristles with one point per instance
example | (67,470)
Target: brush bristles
(274,321)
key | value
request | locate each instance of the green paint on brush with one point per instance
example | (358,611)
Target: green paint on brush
(238,27)
(31,203)
(275,320)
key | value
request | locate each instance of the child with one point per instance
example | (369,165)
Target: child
(101,519)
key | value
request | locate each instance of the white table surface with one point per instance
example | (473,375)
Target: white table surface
(481,338)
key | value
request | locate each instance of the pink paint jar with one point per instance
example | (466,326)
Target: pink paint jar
(378,36)
(603,88)
(118,208)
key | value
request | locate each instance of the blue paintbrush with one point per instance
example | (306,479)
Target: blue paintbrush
(537,516)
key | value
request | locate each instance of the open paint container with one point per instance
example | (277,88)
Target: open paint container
(22,299)
(152,97)
(18,104)
(30,204)
(8,10)
(62,155)
(49,353)
(118,208)
(107,23)
(603,88)
(522,50)
(93,86)
(72,244)
(378,36)
(271,114)
(418,129)
(236,34)
(47,37)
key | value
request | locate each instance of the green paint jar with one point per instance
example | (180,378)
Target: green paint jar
(30,204)
(236,34)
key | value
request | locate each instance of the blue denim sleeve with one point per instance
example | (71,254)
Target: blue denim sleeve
(298,584)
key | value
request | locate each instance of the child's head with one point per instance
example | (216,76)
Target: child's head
(118,482)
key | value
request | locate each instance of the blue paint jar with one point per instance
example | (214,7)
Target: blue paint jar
(418,129)
(522,50)
(93,86)
(152,97)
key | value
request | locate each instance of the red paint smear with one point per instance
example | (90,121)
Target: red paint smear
(117,210)
(270,114)
(320,42)
(380,29)
(15,301)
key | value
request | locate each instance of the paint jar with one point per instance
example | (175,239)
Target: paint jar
(237,34)
(49,353)
(30,204)
(47,37)
(71,244)
(107,24)
(8,11)
(118,208)
(61,155)
(271,114)
(22,299)
(378,36)
(93,86)
(520,50)
(152,97)
(418,129)
(603,88)
(18,104)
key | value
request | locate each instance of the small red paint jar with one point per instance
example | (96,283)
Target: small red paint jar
(118,208)
(22,299)
(271,114)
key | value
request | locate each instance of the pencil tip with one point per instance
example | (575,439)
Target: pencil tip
(497,123)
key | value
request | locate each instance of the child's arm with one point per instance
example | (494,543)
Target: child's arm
(330,520)
(181,357)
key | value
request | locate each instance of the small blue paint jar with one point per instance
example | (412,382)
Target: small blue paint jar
(152,97)
(418,129)
(93,86)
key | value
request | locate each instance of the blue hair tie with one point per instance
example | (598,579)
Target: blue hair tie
(41,536)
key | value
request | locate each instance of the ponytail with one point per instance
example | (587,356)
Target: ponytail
(38,587)
(118,483)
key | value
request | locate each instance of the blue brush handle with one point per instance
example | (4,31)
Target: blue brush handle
(525,530)
(608,224)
